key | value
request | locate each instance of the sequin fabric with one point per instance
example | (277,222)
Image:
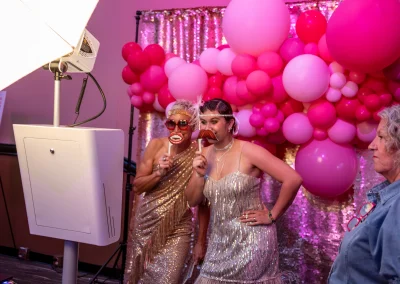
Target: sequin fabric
(162,234)
(238,253)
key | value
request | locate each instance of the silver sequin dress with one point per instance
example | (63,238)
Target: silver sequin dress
(238,253)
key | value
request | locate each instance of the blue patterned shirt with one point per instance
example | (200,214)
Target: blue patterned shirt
(370,253)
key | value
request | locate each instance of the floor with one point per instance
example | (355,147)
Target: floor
(32,272)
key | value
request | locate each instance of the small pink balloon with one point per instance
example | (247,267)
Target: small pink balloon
(337,80)
(319,134)
(224,61)
(297,128)
(323,50)
(137,101)
(311,48)
(259,83)
(335,67)
(148,98)
(243,65)
(129,92)
(357,77)
(270,62)
(279,116)
(322,114)
(243,93)
(279,94)
(229,90)
(269,110)
(342,132)
(171,64)
(366,131)
(271,124)
(333,95)
(245,128)
(257,120)
(208,60)
(350,89)
(136,89)
(291,48)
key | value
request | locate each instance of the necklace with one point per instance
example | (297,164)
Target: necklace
(220,158)
(229,145)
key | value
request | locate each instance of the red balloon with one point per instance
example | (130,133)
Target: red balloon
(215,80)
(311,26)
(372,102)
(376,85)
(165,97)
(156,54)
(153,78)
(322,114)
(362,93)
(346,108)
(138,61)
(243,65)
(128,48)
(362,113)
(386,99)
(129,76)
(291,106)
(376,116)
(213,93)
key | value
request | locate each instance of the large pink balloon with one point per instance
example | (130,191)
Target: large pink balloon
(208,60)
(256,26)
(328,169)
(362,35)
(188,81)
(342,132)
(306,78)
(297,129)
(245,128)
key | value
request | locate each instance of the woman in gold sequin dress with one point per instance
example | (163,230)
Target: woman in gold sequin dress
(161,238)
(243,246)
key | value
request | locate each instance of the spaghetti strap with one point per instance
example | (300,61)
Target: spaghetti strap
(240,157)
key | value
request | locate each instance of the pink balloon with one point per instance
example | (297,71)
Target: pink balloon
(350,89)
(136,89)
(208,60)
(224,61)
(333,95)
(243,65)
(188,81)
(256,120)
(337,80)
(229,90)
(366,130)
(148,98)
(306,78)
(322,114)
(128,48)
(243,93)
(256,26)
(291,48)
(372,102)
(279,94)
(311,48)
(153,78)
(269,110)
(129,76)
(259,83)
(156,54)
(342,132)
(262,132)
(362,113)
(320,134)
(137,101)
(323,50)
(171,64)
(360,34)
(279,116)
(297,129)
(335,67)
(270,62)
(245,128)
(129,92)
(328,169)
(271,124)
(138,61)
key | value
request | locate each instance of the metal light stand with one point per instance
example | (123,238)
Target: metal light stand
(71,248)
(122,248)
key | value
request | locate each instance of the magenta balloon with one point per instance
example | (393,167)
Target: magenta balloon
(362,35)
(153,78)
(328,169)
(291,48)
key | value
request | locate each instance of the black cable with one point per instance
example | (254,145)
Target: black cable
(78,104)
(104,105)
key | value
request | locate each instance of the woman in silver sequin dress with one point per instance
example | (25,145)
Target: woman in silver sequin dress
(243,246)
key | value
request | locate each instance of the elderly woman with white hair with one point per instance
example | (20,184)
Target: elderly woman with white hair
(370,251)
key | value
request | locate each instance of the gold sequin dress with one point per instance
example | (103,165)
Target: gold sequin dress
(238,253)
(161,238)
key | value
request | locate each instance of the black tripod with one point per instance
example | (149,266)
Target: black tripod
(122,248)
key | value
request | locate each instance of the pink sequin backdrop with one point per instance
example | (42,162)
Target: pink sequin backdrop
(311,229)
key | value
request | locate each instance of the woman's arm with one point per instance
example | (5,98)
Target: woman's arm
(145,178)
(279,170)
(194,189)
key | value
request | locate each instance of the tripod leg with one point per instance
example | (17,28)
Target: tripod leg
(105,264)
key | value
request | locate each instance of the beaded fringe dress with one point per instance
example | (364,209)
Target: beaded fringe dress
(238,253)
(162,235)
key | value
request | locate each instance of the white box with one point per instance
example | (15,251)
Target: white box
(72,181)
